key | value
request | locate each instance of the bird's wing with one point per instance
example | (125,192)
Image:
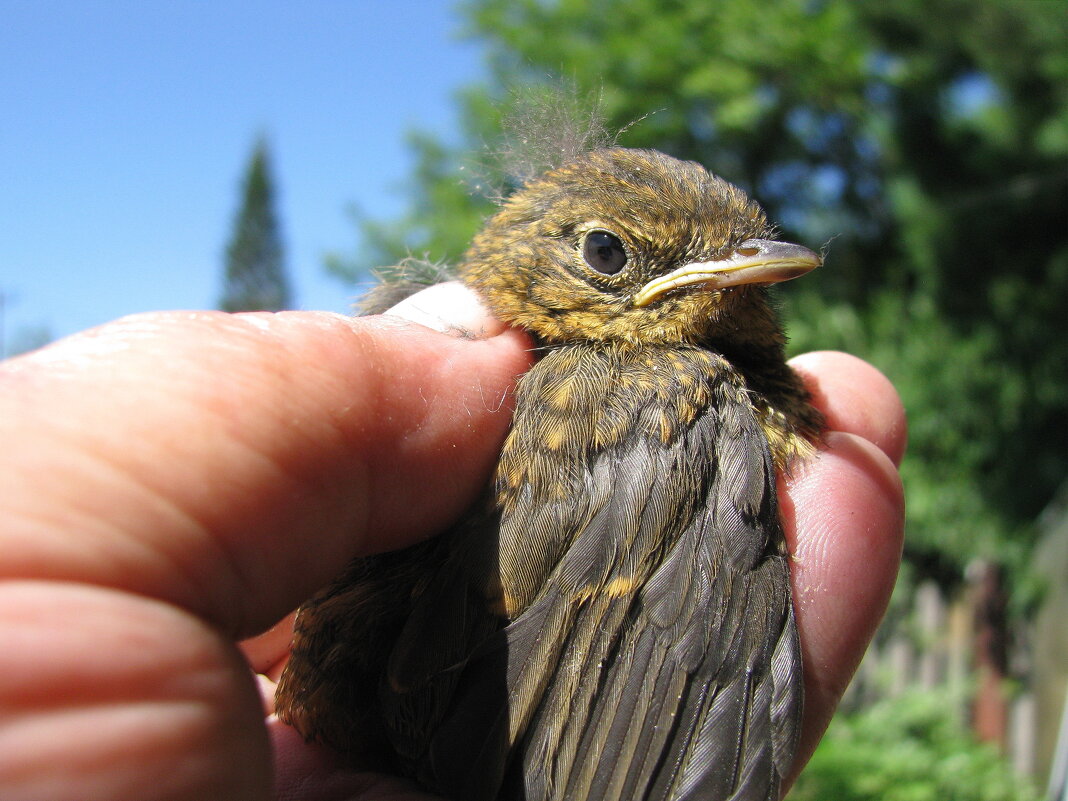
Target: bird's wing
(661,661)
(657,657)
(340,637)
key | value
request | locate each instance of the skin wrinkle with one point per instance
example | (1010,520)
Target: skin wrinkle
(248,574)
(104,542)
(407,431)
(233,575)
(118,700)
(353,437)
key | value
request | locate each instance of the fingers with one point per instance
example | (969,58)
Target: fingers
(231,464)
(171,477)
(844,517)
(111,695)
(856,398)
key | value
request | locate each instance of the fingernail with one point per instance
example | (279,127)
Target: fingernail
(449,308)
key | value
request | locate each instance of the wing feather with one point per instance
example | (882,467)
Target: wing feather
(677,677)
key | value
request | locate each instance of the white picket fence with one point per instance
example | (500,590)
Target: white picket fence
(940,644)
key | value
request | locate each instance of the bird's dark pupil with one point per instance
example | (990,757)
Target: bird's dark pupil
(604,252)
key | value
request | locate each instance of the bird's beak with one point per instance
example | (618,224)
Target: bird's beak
(755,261)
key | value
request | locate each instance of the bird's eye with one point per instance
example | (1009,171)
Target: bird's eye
(604,252)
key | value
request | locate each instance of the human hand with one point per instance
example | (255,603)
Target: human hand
(172,482)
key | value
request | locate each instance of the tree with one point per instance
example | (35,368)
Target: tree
(929,157)
(255,261)
(909,748)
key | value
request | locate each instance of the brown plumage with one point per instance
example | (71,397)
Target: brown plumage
(613,620)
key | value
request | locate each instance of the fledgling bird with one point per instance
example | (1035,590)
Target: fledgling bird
(613,620)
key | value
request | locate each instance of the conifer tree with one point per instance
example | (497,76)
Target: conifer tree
(255,260)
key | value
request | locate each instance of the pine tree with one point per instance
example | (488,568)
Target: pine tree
(255,262)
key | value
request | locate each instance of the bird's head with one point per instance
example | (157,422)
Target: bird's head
(632,246)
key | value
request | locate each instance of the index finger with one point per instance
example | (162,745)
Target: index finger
(232,464)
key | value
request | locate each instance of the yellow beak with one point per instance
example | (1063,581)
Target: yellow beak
(755,261)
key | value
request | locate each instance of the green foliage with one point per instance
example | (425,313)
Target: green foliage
(929,157)
(255,269)
(910,748)
(949,513)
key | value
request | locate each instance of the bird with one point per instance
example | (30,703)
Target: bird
(612,619)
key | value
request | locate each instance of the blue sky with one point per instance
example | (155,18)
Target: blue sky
(125,127)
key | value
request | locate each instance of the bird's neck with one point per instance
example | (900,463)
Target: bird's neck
(779,396)
(583,398)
